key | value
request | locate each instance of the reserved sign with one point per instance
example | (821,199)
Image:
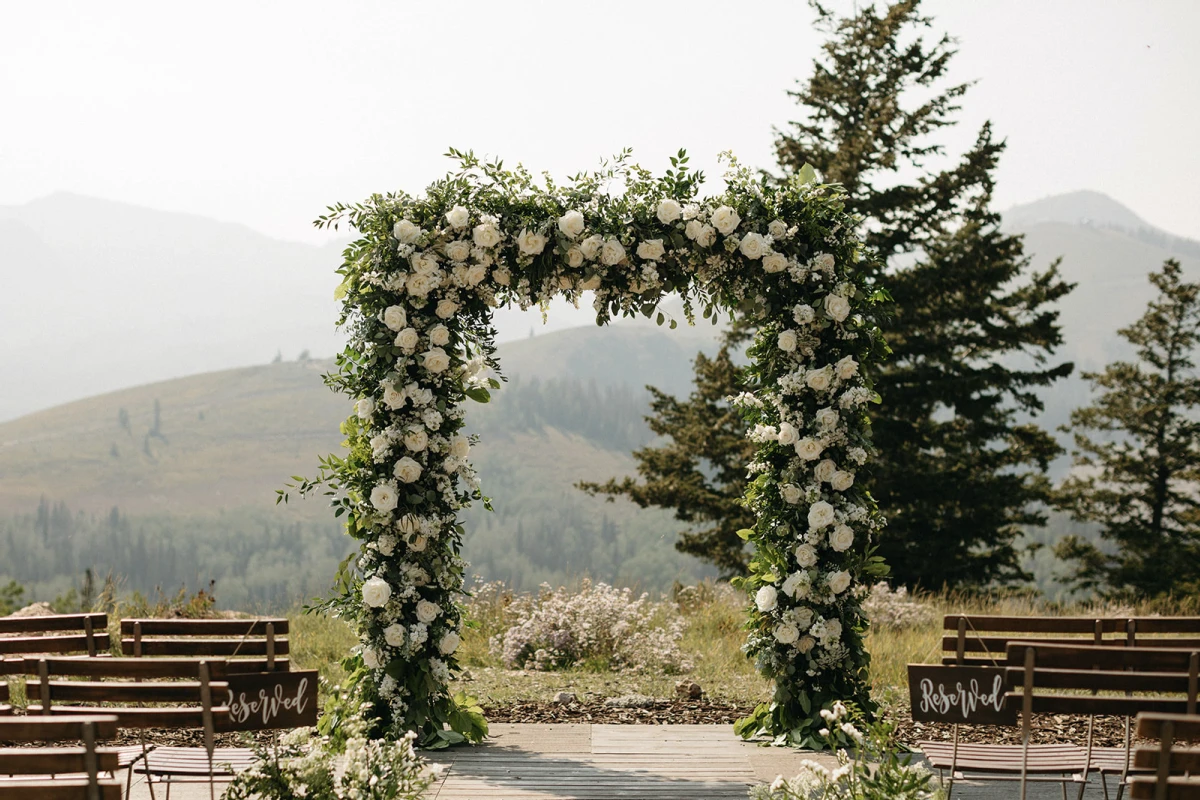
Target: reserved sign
(947,693)
(266,700)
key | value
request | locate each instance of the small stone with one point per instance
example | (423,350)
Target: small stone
(689,689)
(565,698)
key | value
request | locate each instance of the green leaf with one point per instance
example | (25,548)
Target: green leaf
(479,394)
(807,174)
(744,534)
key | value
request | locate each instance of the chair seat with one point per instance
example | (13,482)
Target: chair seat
(194,761)
(1055,759)
(58,789)
(1111,760)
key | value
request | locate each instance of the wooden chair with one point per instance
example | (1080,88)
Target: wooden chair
(61,634)
(248,645)
(35,765)
(174,693)
(1172,674)
(1175,769)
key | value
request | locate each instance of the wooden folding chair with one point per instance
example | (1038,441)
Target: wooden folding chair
(59,635)
(1176,769)
(35,765)
(248,645)
(142,699)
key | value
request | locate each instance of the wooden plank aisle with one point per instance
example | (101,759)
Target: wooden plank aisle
(598,762)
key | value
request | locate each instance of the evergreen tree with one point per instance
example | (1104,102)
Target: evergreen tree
(957,473)
(1138,479)
(700,472)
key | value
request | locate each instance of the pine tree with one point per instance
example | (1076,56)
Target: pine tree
(1138,476)
(957,474)
(700,472)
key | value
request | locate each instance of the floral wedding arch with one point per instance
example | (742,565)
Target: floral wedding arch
(418,292)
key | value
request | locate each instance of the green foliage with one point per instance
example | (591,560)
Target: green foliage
(700,470)
(1136,455)
(10,597)
(958,473)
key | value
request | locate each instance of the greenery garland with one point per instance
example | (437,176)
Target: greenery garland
(418,292)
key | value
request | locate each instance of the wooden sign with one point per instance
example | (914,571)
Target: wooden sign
(266,700)
(972,695)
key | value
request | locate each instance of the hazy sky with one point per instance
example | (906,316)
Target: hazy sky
(264,112)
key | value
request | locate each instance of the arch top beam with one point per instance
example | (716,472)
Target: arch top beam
(418,290)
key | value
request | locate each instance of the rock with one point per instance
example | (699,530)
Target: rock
(689,690)
(565,698)
(35,610)
(630,701)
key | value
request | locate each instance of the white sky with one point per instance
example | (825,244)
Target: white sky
(265,112)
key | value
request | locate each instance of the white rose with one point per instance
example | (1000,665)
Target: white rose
(486,234)
(753,246)
(394,634)
(787,341)
(460,447)
(364,408)
(774,262)
(788,434)
(786,633)
(725,219)
(824,471)
(841,480)
(809,449)
(449,643)
(446,309)
(384,498)
(692,229)
(841,538)
(790,492)
(806,644)
(708,235)
(435,360)
(827,419)
(818,379)
(406,231)
(476,274)
(571,224)
(439,335)
(806,555)
(591,283)
(691,211)
(502,276)
(395,318)
(820,514)
(611,252)
(379,447)
(370,657)
(420,285)
(458,217)
(837,307)
(376,592)
(407,470)
(427,612)
(766,598)
(424,263)
(651,249)
(530,243)
(668,211)
(393,398)
(847,368)
(458,251)
(839,581)
(803,314)
(823,261)
(408,339)
(574,258)
(417,544)
(590,246)
(777,228)
(416,440)
(409,524)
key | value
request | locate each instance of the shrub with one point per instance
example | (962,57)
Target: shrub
(888,608)
(598,627)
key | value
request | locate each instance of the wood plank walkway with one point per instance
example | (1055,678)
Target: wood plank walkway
(598,762)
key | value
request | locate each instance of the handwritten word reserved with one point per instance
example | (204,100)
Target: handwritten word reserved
(269,703)
(940,700)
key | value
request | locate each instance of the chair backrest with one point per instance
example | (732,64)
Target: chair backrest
(1171,764)
(138,699)
(60,634)
(982,639)
(1173,674)
(249,645)
(59,760)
